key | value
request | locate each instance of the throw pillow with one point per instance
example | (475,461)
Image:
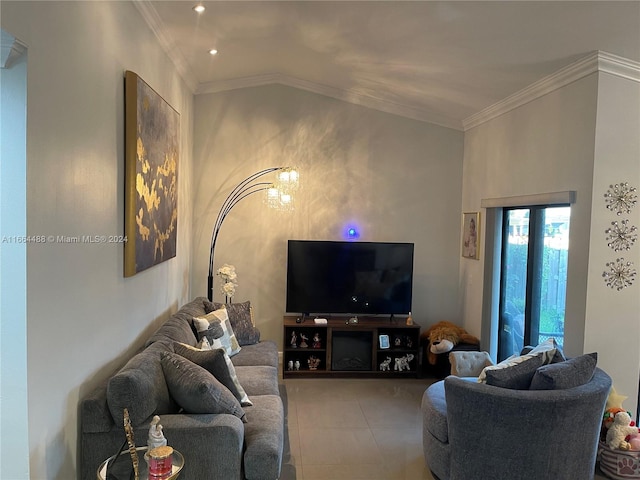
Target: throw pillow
(202,344)
(568,374)
(546,349)
(219,319)
(196,390)
(557,357)
(205,328)
(217,362)
(241,318)
(516,376)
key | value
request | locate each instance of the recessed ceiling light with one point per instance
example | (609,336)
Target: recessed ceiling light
(199,8)
(213,51)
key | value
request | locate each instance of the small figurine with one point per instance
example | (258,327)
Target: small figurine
(408,342)
(294,340)
(316,341)
(156,438)
(297,365)
(303,342)
(313,362)
(397,341)
(290,365)
(402,363)
(409,319)
(384,366)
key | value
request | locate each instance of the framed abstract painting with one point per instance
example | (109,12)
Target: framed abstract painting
(152,150)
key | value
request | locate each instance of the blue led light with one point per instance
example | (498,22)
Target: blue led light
(352,233)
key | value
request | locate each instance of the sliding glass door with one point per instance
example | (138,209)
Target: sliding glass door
(533,276)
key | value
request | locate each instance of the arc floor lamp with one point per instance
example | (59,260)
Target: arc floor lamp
(277,195)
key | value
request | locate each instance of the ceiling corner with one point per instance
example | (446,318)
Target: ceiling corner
(153,20)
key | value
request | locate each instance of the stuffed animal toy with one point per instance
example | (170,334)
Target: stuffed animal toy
(443,336)
(619,430)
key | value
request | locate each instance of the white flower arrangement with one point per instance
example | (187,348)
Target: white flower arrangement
(229,280)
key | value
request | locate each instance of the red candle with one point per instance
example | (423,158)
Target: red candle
(160,462)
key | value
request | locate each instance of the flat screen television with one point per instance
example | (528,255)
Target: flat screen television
(334,277)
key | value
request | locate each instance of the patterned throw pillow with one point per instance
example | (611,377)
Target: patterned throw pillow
(207,329)
(196,390)
(241,318)
(218,318)
(217,362)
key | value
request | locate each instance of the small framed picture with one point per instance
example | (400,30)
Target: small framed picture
(471,235)
(384,341)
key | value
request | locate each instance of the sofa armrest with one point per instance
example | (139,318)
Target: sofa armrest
(95,416)
(210,443)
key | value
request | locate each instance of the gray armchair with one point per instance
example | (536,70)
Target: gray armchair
(474,431)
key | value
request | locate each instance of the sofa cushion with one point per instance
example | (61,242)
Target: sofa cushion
(228,340)
(568,374)
(264,438)
(140,387)
(196,390)
(259,380)
(217,362)
(263,353)
(241,318)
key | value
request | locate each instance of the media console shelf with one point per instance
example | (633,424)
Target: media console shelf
(340,349)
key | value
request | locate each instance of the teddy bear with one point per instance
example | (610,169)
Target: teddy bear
(619,430)
(443,336)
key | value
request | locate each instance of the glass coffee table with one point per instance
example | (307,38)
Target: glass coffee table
(143,467)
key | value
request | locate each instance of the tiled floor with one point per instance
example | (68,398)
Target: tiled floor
(346,429)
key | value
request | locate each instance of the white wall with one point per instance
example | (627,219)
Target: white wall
(541,147)
(396,179)
(612,321)
(83,316)
(580,137)
(14,451)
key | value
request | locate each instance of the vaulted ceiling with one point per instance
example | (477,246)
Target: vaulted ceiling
(438,61)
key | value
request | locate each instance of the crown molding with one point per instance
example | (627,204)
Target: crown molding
(10,49)
(350,96)
(619,66)
(153,20)
(597,61)
(150,15)
(594,62)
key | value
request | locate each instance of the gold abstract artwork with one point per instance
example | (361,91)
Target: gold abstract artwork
(152,151)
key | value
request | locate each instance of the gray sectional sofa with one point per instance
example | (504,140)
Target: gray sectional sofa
(525,420)
(243,444)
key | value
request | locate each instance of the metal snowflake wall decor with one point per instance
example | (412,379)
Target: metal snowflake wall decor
(620,275)
(621,236)
(621,198)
